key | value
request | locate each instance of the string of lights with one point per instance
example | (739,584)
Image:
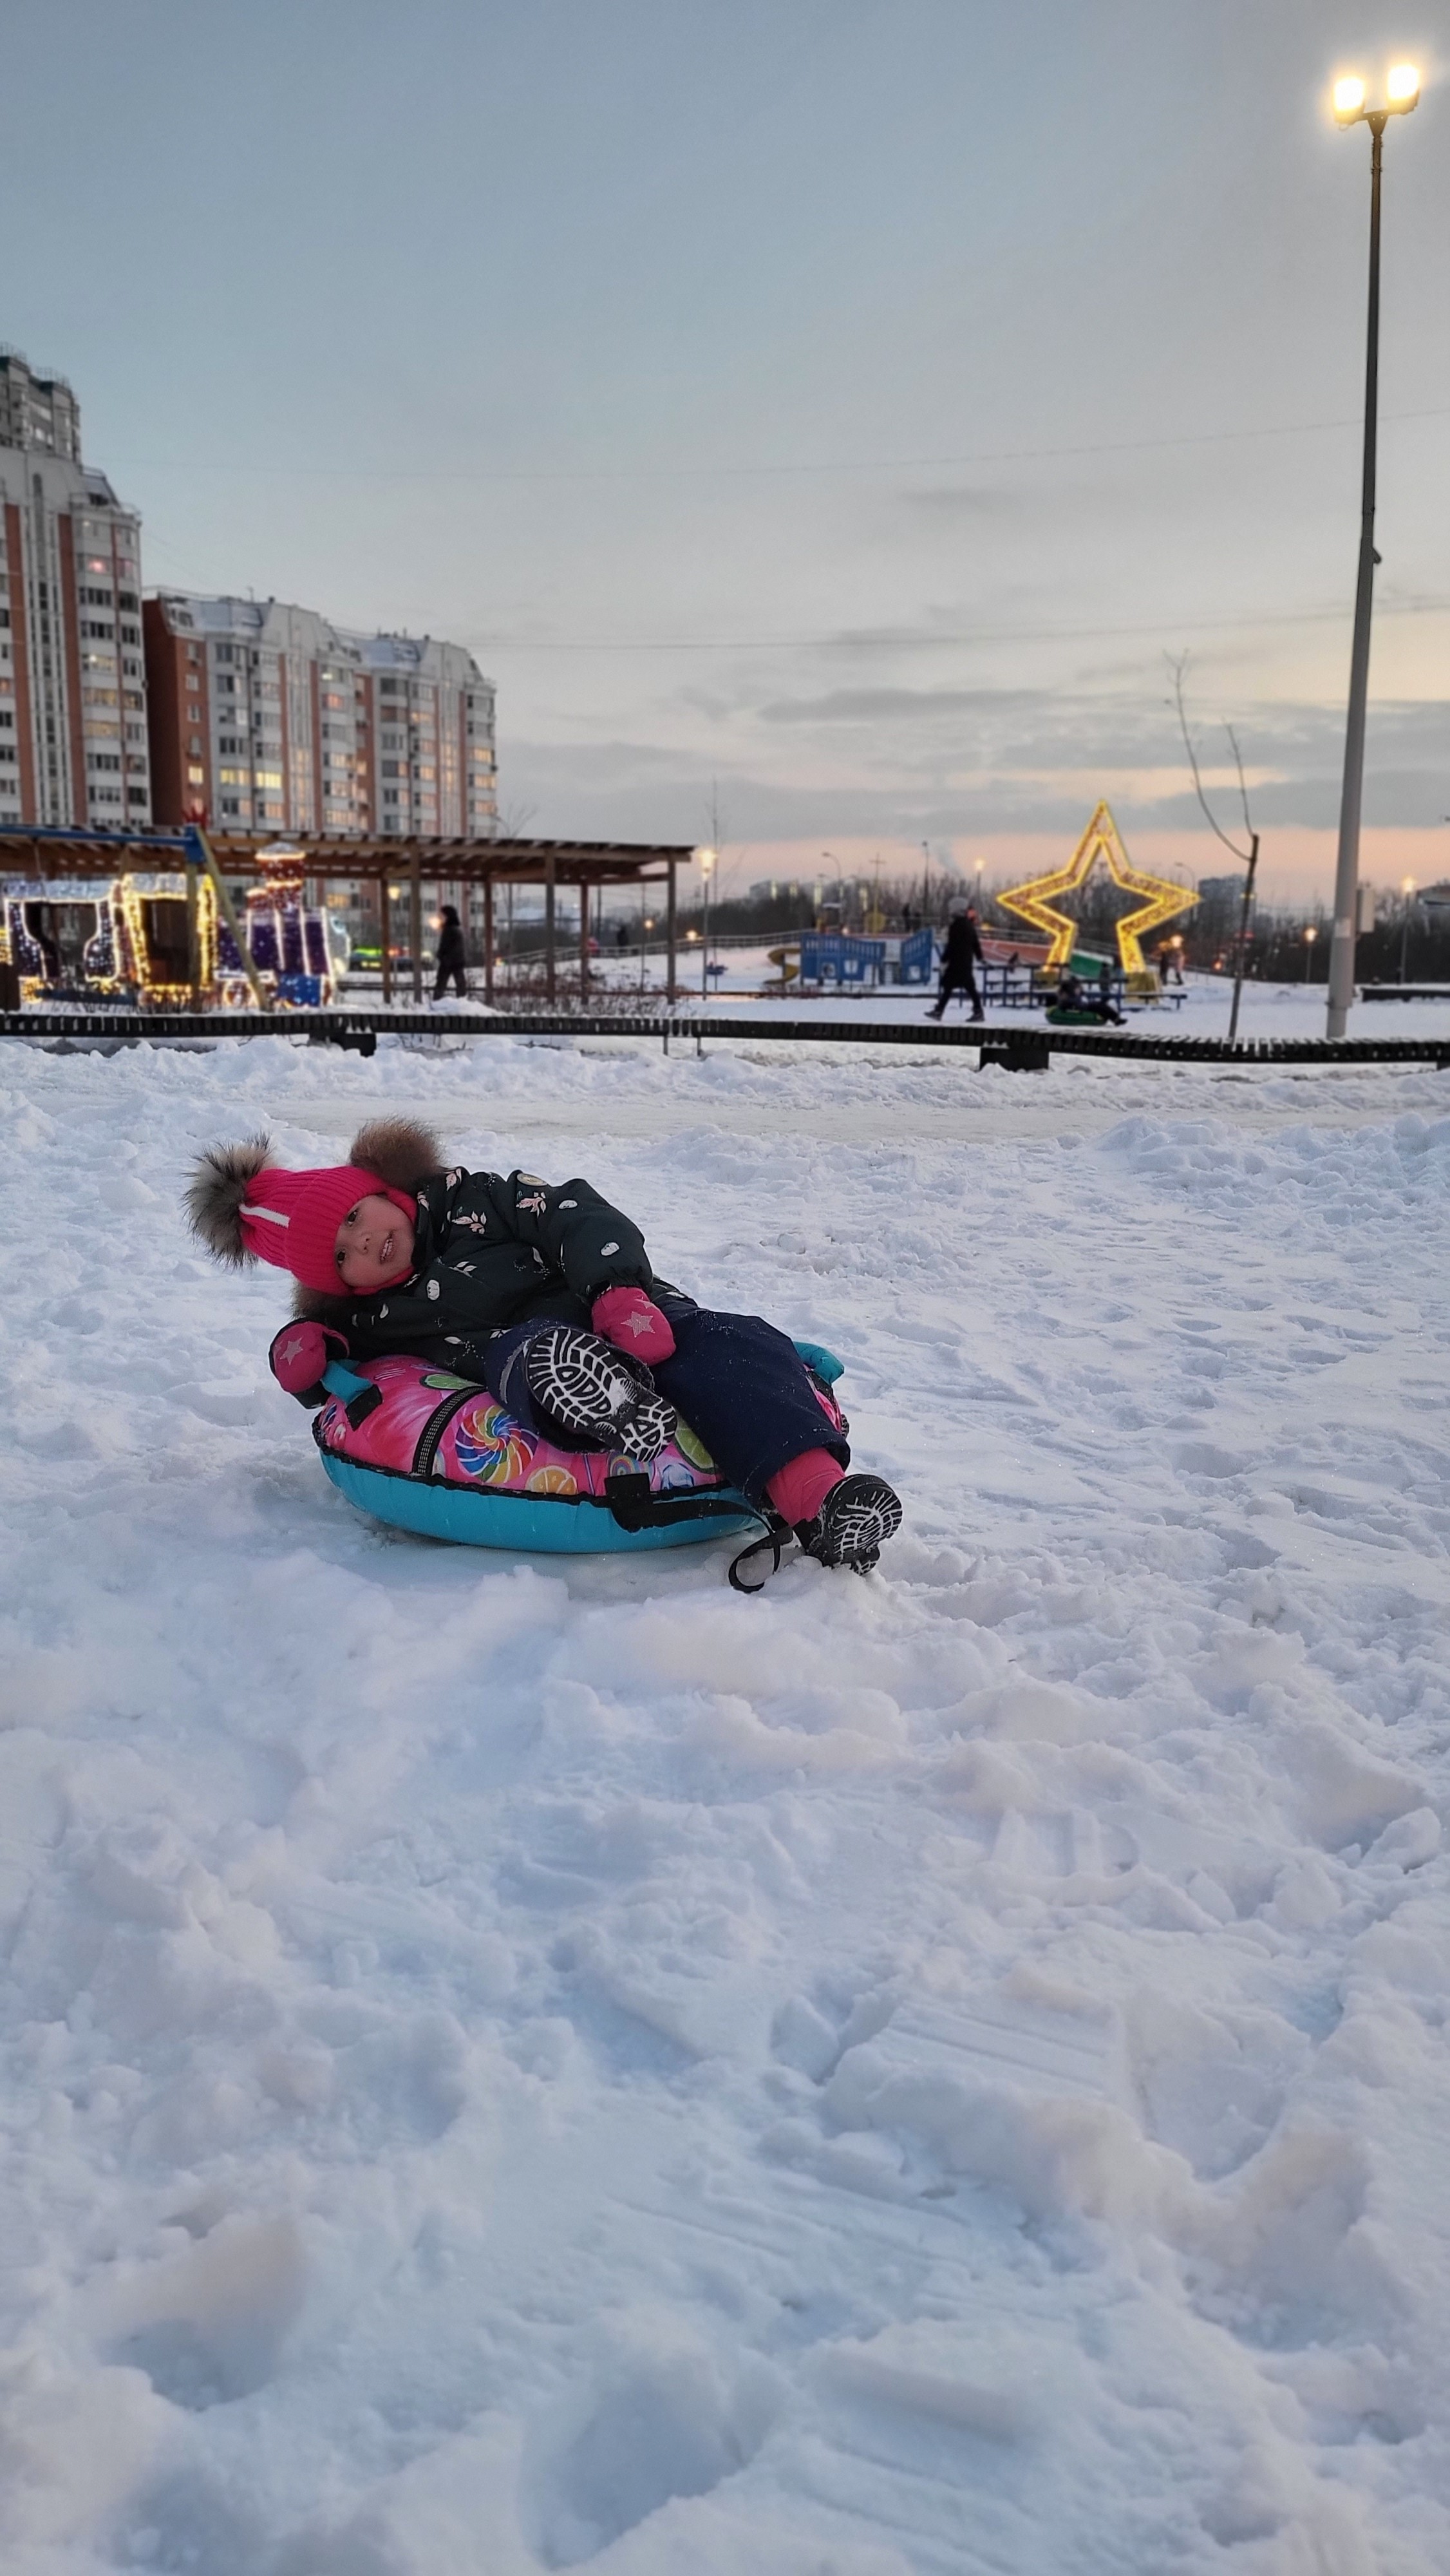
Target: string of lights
(1032,902)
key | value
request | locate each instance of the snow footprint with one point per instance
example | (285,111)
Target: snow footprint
(207,2325)
(813,2033)
(1064,1845)
(661,2415)
(1211,2085)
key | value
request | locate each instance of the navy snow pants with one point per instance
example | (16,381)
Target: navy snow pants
(741,1385)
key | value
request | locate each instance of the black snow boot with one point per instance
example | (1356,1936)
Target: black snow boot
(588,1392)
(853,1524)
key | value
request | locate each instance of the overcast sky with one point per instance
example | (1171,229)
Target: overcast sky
(851,401)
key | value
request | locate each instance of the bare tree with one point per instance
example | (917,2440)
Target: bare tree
(514,820)
(1249,858)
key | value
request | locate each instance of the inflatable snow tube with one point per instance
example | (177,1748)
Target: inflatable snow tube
(437,1454)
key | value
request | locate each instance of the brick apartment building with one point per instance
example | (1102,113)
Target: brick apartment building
(265,716)
(73,742)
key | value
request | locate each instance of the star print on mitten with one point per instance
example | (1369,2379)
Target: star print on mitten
(633,1322)
(300,1353)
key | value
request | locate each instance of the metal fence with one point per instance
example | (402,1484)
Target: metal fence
(1018,1049)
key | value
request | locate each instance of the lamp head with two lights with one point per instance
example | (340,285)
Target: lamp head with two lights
(1402,91)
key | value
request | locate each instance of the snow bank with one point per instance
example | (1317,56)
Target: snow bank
(516,2067)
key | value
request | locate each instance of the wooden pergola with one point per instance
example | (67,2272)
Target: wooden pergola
(399,865)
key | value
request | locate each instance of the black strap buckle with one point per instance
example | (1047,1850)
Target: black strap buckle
(777,1538)
(636,1506)
(630,1499)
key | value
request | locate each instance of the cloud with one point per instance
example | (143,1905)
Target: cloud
(942,763)
(886,705)
(965,501)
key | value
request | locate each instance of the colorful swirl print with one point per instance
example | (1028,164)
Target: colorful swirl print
(489,1444)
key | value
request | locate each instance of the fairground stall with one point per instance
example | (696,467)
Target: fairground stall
(148,919)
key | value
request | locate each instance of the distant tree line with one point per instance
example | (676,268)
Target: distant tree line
(1406,943)
(1405,937)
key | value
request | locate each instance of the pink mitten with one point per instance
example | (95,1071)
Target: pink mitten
(300,1353)
(633,1322)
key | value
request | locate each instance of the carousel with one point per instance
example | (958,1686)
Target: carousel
(152,941)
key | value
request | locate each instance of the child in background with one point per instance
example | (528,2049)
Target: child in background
(547,1297)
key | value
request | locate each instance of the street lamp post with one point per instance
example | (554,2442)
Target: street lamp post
(1310,935)
(707,866)
(1407,890)
(1402,89)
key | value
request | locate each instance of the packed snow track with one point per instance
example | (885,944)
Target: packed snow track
(516,2066)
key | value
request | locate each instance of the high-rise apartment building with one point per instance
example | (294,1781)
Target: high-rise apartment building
(37,411)
(73,746)
(266,717)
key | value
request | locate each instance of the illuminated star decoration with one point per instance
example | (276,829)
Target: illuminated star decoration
(1102,839)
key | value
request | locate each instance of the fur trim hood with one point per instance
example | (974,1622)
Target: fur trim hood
(401,1152)
(395,1150)
(216,1190)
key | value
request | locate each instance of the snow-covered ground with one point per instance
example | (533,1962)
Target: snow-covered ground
(514,2066)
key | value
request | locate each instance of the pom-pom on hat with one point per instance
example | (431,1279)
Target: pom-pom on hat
(246,1207)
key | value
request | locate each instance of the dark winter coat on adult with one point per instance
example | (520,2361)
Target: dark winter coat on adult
(962,949)
(451,950)
(452,956)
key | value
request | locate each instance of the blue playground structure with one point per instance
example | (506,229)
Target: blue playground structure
(853,957)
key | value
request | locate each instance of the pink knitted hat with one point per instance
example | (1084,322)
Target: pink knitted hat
(291,1218)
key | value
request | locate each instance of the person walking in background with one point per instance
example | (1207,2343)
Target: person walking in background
(961,952)
(452,958)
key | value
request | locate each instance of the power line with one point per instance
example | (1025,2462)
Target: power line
(924,640)
(684,473)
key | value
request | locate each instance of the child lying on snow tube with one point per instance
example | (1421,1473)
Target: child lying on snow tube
(546,1297)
